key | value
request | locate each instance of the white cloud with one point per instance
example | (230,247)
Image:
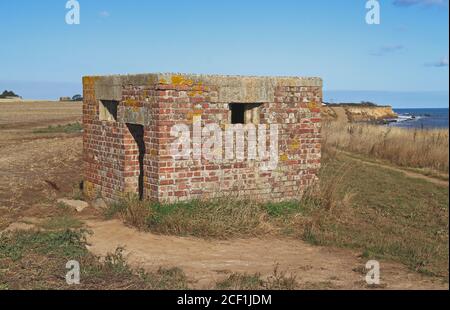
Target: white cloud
(401,28)
(439,64)
(104,14)
(387,49)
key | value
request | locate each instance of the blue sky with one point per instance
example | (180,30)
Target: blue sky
(407,52)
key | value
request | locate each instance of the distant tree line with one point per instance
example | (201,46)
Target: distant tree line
(73,98)
(77,98)
(8,94)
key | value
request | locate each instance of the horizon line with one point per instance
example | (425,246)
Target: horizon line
(325,89)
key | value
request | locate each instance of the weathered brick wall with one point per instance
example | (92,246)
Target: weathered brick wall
(104,150)
(295,109)
(111,154)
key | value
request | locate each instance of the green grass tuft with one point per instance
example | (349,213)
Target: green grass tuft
(68,244)
(61,223)
(69,128)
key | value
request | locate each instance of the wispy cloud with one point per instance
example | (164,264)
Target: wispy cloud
(104,14)
(401,28)
(387,49)
(438,64)
(407,3)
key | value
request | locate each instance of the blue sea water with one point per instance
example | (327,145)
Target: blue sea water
(422,118)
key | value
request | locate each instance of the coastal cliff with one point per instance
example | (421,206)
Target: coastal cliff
(357,113)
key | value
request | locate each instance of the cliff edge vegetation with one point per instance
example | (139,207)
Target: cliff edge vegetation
(357,112)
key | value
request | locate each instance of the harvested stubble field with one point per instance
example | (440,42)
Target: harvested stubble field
(376,211)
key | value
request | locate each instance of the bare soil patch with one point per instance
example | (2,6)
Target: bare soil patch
(207,262)
(30,163)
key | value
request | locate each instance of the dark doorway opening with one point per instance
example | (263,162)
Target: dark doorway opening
(137,131)
(237,113)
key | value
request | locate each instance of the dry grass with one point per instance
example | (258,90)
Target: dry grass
(278,280)
(388,216)
(208,219)
(231,218)
(414,148)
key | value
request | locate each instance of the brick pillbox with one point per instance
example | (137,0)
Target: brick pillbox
(127,135)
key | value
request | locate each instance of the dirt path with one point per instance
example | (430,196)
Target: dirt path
(206,262)
(407,173)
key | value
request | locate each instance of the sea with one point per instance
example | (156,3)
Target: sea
(421,118)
